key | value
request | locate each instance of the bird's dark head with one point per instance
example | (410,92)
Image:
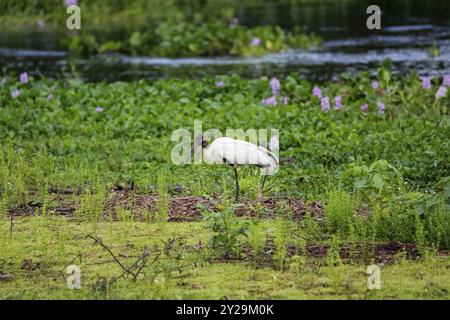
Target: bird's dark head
(199,140)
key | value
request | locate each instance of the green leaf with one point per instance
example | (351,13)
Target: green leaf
(378,182)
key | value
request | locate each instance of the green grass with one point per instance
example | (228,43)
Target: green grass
(54,243)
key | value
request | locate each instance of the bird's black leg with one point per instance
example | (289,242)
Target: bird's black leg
(262,188)
(237,182)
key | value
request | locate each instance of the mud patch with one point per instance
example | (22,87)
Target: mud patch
(29,265)
(56,205)
(188,208)
(139,205)
(142,207)
(270,208)
(387,253)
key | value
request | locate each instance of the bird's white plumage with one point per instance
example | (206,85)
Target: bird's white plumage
(231,151)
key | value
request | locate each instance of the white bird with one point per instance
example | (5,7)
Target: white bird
(238,152)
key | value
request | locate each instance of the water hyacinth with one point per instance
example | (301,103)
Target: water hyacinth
(273,144)
(285,100)
(426,83)
(446,81)
(233,23)
(49,97)
(381,107)
(24,78)
(275,86)
(220,84)
(15,93)
(375,85)
(317,92)
(441,93)
(70,3)
(272,101)
(338,102)
(256,42)
(365,108)
(99,109)
(325,104)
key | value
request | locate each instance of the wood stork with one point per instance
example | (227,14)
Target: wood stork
(235,153)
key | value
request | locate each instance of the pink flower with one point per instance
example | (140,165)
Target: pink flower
(426,82)
(275,85)
(338,103)
(70,2)
(446,81)
(256,42)
(375,85)
(365,108)
(99,109)
(234,23)
(272,101)
(381,107)
(273,144)
(24,78)
(325,104)
(317,92)
(15,93)
(442,92)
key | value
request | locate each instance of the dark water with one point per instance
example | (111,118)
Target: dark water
(409,29)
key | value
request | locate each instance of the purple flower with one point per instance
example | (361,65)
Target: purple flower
(272,101)
(219,84)
(273,144)
(99,109)
(275,85)
(49,97)
(365,108)
(426,82)
(317,92)
(325,104)
(233,23)
(442,92)
(256,42)
(15,93)
(70,2)
(338,103)
(24,78)
(375,85)
(381,106)
(285,100)
(446,81)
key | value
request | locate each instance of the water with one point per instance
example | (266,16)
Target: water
(410,28)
